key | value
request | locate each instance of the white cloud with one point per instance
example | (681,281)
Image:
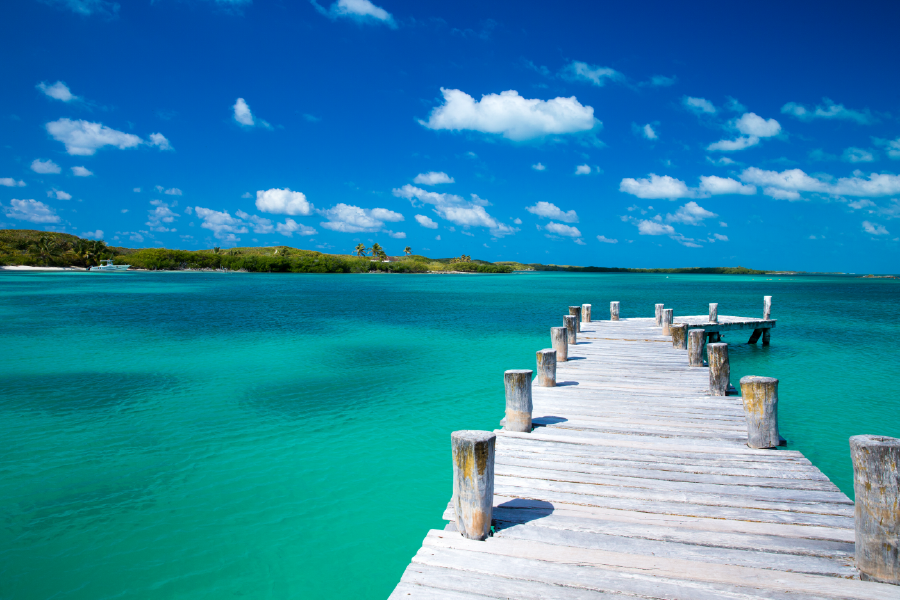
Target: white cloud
(893,147)
(245,118)
(173,192)
(246,195)
(426,222)
(583,170)
(654,228)
(517,221)
(755,126)
(222,224)
(661,81)
(548,210)
(30,210)
(161,213)
(828,110)
(655,187)
(290,227)
(59,195)
(780,194)
(399,235)
(724,185)
(259,224)
(10,182)
(360,10)
(84,138)
(137,190)
(538,167)
(735,106)
(98,235)
(57,91)
(88,7)
(874,228)
(606,240)
(283,202)
(721,161)
(81,172)
(44,166)
(580,71)
(564,230)
(648,132)
(456,210)
(509,114)
(160,141)
(698,105)
(795,180)
(690,214)
(863,203)
(433,178)
(353,219)
(734,145)
(720,237)
(856,155)
(437,237)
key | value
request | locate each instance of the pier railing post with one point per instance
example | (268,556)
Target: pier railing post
(877,489)
(696,341)
(679,335)
(571,329)
(473,482)
(518,400)
(546,368)
(585,313)
(760,397)
(668,315)
(713,313)
(575,311)
(767,336)
(613,311)
(767,307)
(559,341)
(659,309)
(719,369)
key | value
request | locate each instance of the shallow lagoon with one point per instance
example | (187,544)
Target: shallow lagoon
(194,435)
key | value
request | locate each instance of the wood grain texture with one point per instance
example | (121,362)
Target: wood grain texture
(517,383)
(659,308)
(876,482)
(719,369)
(760,396)
(571,324)
(668,315)
(585,313)
(613,311)
(546,367)
(679,335)
(559,340)
(575,311)
(473,481)
(696,342)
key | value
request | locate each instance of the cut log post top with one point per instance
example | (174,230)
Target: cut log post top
(760,397)
(518,400)
(679,335)
(613,311)
(559,340)
(473,482)
(575,311)
(767,307)
(546,367)
(696,341)
(585,313)
(713,313)
(876,483)
(719,369)
(571,329)
(668,314)
(659,309)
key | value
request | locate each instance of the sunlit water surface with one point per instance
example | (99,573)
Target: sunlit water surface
(208,435)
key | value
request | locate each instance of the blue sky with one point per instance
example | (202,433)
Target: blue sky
(611,134)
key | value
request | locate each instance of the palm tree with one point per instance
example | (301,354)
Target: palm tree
(46,250)
(407,250)
(361,250)
(216,249)
(377,250)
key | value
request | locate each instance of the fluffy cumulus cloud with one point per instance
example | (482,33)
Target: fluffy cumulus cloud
(563,230)
(892,147)
(259,224)
(599,76)
(221,223)
(754,125)
(81,172)
(740,143)
(362,11)
(456,209)
(690,214)
(59,195)
(789,184)
(827,110)
(353,219)
(10,182)
(97,235)
(84,138)
(510,115)
(648,132)
(426,222)
(549,210)
(715,186)
(283,202)
(874,228)
(655,187)
(700,106)
(245,118)
(44,167)
(433,178)
(583,170)
(57,91)
(290,227)
(657,227)
(160,216)
(605,240)
(857,155)
(538,167)
(32,211)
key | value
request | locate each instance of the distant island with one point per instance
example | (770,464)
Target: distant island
(28,247)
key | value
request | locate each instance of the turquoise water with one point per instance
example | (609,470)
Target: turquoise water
(207,435)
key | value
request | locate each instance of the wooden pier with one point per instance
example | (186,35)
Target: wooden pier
(637,483)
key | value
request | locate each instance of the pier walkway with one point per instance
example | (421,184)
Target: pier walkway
(636,483)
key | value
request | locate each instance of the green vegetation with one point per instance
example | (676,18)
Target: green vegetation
(50,249)
(688,270)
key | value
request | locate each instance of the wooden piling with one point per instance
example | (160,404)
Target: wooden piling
(766,336)
(668,314)
(613,311)
(876,460)
(767,307)
(575,311)
(713,312)
(679,335)
(659,309)
(696,341)
(571,331)
(546,367)
(585,313)
(760,397)
(518,400)
(473,482)
(559,340)
(719,369)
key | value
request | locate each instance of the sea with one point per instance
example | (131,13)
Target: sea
(192,435)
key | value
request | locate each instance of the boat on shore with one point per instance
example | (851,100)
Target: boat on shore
(107,265)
